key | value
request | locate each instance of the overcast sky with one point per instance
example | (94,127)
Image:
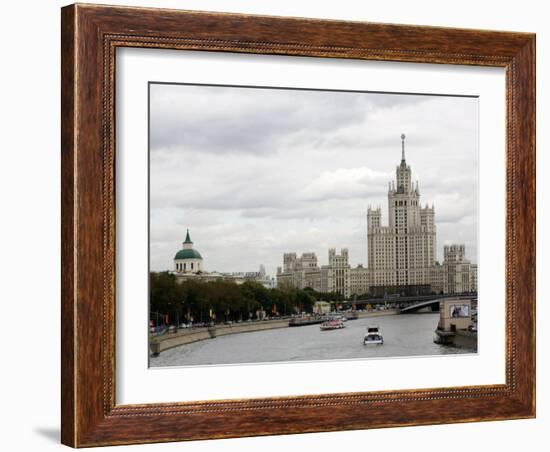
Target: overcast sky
(254,173)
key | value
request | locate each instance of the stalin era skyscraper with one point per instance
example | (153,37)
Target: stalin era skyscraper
(402,254)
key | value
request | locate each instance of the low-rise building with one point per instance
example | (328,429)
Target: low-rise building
(299,272)
(338,272)
(359,280)
(459,274)
(189,265)
(454,276)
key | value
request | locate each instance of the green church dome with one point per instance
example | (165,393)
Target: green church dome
(188,254)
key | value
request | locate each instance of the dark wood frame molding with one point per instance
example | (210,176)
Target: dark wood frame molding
(90,35)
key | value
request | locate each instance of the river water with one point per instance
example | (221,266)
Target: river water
(404,335)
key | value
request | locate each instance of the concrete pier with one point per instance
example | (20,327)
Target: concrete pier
(454,324)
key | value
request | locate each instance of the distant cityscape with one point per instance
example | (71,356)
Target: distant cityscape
(189,265)
(401,255)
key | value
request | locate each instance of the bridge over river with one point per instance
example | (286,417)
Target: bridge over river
(409,304)
(433,304)
(406,300)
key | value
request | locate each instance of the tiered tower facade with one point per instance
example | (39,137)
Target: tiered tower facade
(402,253)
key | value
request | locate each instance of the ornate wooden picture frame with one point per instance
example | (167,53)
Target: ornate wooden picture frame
(90,37)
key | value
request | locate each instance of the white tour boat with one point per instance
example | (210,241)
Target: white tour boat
(333,324)
(373,336)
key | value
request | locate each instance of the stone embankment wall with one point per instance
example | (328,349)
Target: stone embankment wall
(189,336)
(465,339)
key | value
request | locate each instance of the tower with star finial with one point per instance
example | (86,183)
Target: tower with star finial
(403,252)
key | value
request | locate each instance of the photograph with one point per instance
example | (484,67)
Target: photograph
(290,225)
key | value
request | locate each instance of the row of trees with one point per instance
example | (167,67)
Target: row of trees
(224,300)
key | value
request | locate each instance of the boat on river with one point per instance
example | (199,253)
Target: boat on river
(306,320)
(333,324)
(373,336)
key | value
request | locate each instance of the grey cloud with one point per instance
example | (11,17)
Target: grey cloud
(254,120)
(260,174)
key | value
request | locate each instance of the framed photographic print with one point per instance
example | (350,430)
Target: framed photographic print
(281,225)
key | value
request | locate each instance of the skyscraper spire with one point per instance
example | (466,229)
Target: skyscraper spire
(402,148)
